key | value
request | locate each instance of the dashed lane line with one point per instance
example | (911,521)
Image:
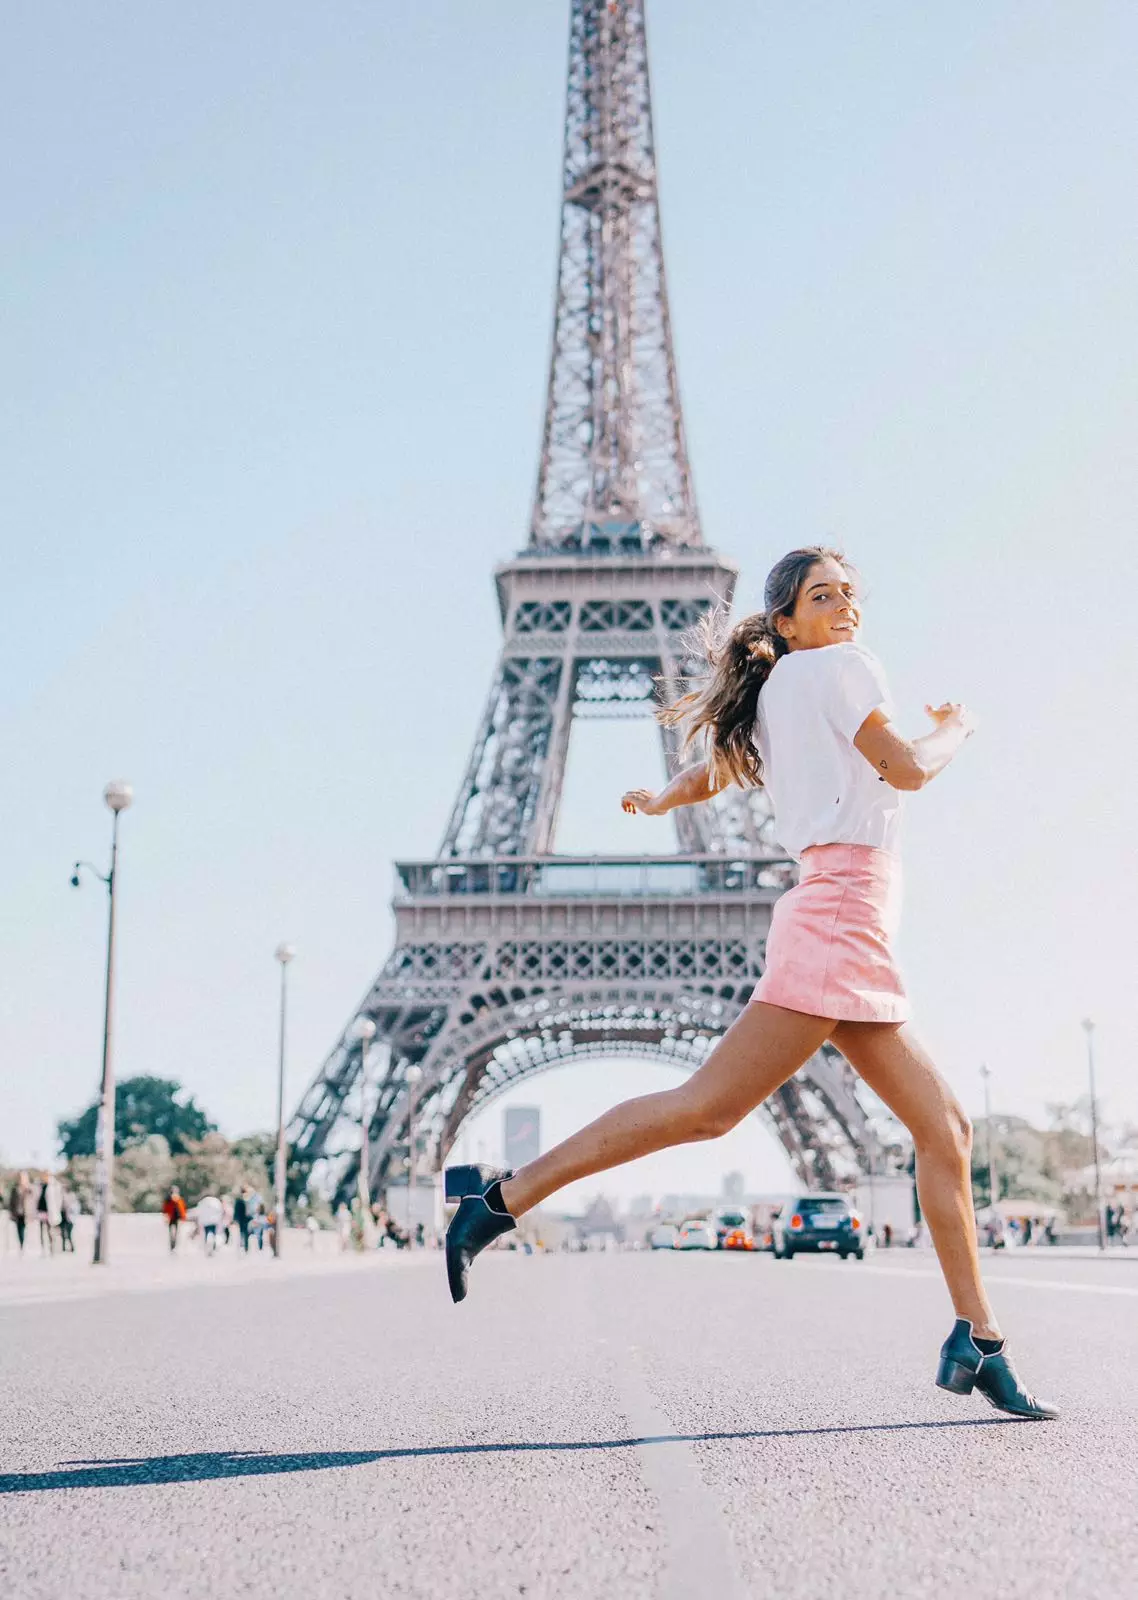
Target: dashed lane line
(700,1557)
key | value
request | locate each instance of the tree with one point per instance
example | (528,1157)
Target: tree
(210,1166)
(258,1151)
(143,1175)
(144,1107)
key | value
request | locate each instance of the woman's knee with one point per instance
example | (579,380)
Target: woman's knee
(950,1135)
(706,1120)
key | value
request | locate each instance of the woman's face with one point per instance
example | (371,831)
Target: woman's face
(826,611)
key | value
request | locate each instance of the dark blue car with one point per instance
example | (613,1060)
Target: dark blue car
(817,1222)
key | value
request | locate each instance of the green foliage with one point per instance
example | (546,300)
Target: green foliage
(146,1169)
(145,1107)
(143,1175)
(1032,1163)
(261,1149)
(212,1166)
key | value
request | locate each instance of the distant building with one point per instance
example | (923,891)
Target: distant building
(521,1135)
(734,1186)
(599,1226)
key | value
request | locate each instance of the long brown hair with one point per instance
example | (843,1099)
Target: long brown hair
(723,709)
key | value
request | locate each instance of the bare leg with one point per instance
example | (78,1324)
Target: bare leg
(895,1066)
(760,1050)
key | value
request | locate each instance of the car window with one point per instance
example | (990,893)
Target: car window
(822,1203)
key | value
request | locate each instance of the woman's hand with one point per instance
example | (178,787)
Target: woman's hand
(640,800)
(954,713)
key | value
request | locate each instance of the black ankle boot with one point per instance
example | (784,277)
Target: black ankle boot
(473,1226)
(474,1178)
(964,1367)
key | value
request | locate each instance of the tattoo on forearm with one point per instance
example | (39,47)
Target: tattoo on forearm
(884,765)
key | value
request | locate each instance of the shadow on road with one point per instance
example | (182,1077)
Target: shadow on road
(206,1464)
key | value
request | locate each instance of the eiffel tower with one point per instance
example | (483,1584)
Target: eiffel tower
(510,959)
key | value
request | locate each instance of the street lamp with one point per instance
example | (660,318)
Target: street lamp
(365,1033)
(284,954)
(993,1181)
(413,1076)
(117,795)
(1089,1030)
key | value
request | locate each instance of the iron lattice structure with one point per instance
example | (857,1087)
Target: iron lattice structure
(510,959)
(613,458)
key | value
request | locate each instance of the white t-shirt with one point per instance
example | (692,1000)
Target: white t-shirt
(823,790)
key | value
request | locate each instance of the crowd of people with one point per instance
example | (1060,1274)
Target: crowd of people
(1121,1224)
(357,1229)
(243,1217)
(47,1202)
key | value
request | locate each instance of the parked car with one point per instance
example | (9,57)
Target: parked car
(663,1236)
(738,1239)
(697,1234)
(817,1222)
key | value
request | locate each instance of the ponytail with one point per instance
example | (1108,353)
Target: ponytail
(724,708)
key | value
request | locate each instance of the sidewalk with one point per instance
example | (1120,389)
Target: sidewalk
(141,1262)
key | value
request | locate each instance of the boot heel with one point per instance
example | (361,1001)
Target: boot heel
(955,1376)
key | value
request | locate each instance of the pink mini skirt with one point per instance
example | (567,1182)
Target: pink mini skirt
(829,949)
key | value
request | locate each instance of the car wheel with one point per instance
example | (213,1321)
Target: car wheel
(859,1255)
(788,1255)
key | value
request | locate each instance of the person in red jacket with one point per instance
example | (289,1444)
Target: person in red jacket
(174,1210)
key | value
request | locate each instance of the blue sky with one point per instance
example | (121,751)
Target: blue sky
(274,331)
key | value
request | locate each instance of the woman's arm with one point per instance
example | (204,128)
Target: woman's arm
(687,788)
(911,763)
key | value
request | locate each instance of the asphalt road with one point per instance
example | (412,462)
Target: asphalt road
(626,1425)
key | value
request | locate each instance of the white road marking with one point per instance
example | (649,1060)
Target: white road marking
(1069,1284)
(700,1554)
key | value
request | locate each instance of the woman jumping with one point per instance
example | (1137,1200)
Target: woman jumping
(796,705)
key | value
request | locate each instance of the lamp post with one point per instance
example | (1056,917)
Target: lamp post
(118,796)
(993,1181)
(413,1075)
(284,954)
(1089,1030)
(365,1033)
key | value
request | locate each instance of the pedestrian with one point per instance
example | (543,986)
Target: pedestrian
(210,1215)
(49,1212)
(795,704)
(226,1216)
(20,1206)
(260,1222)
(242,1216)
(343,1225)
(69,1214)
(887,1235)
(174,1210)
